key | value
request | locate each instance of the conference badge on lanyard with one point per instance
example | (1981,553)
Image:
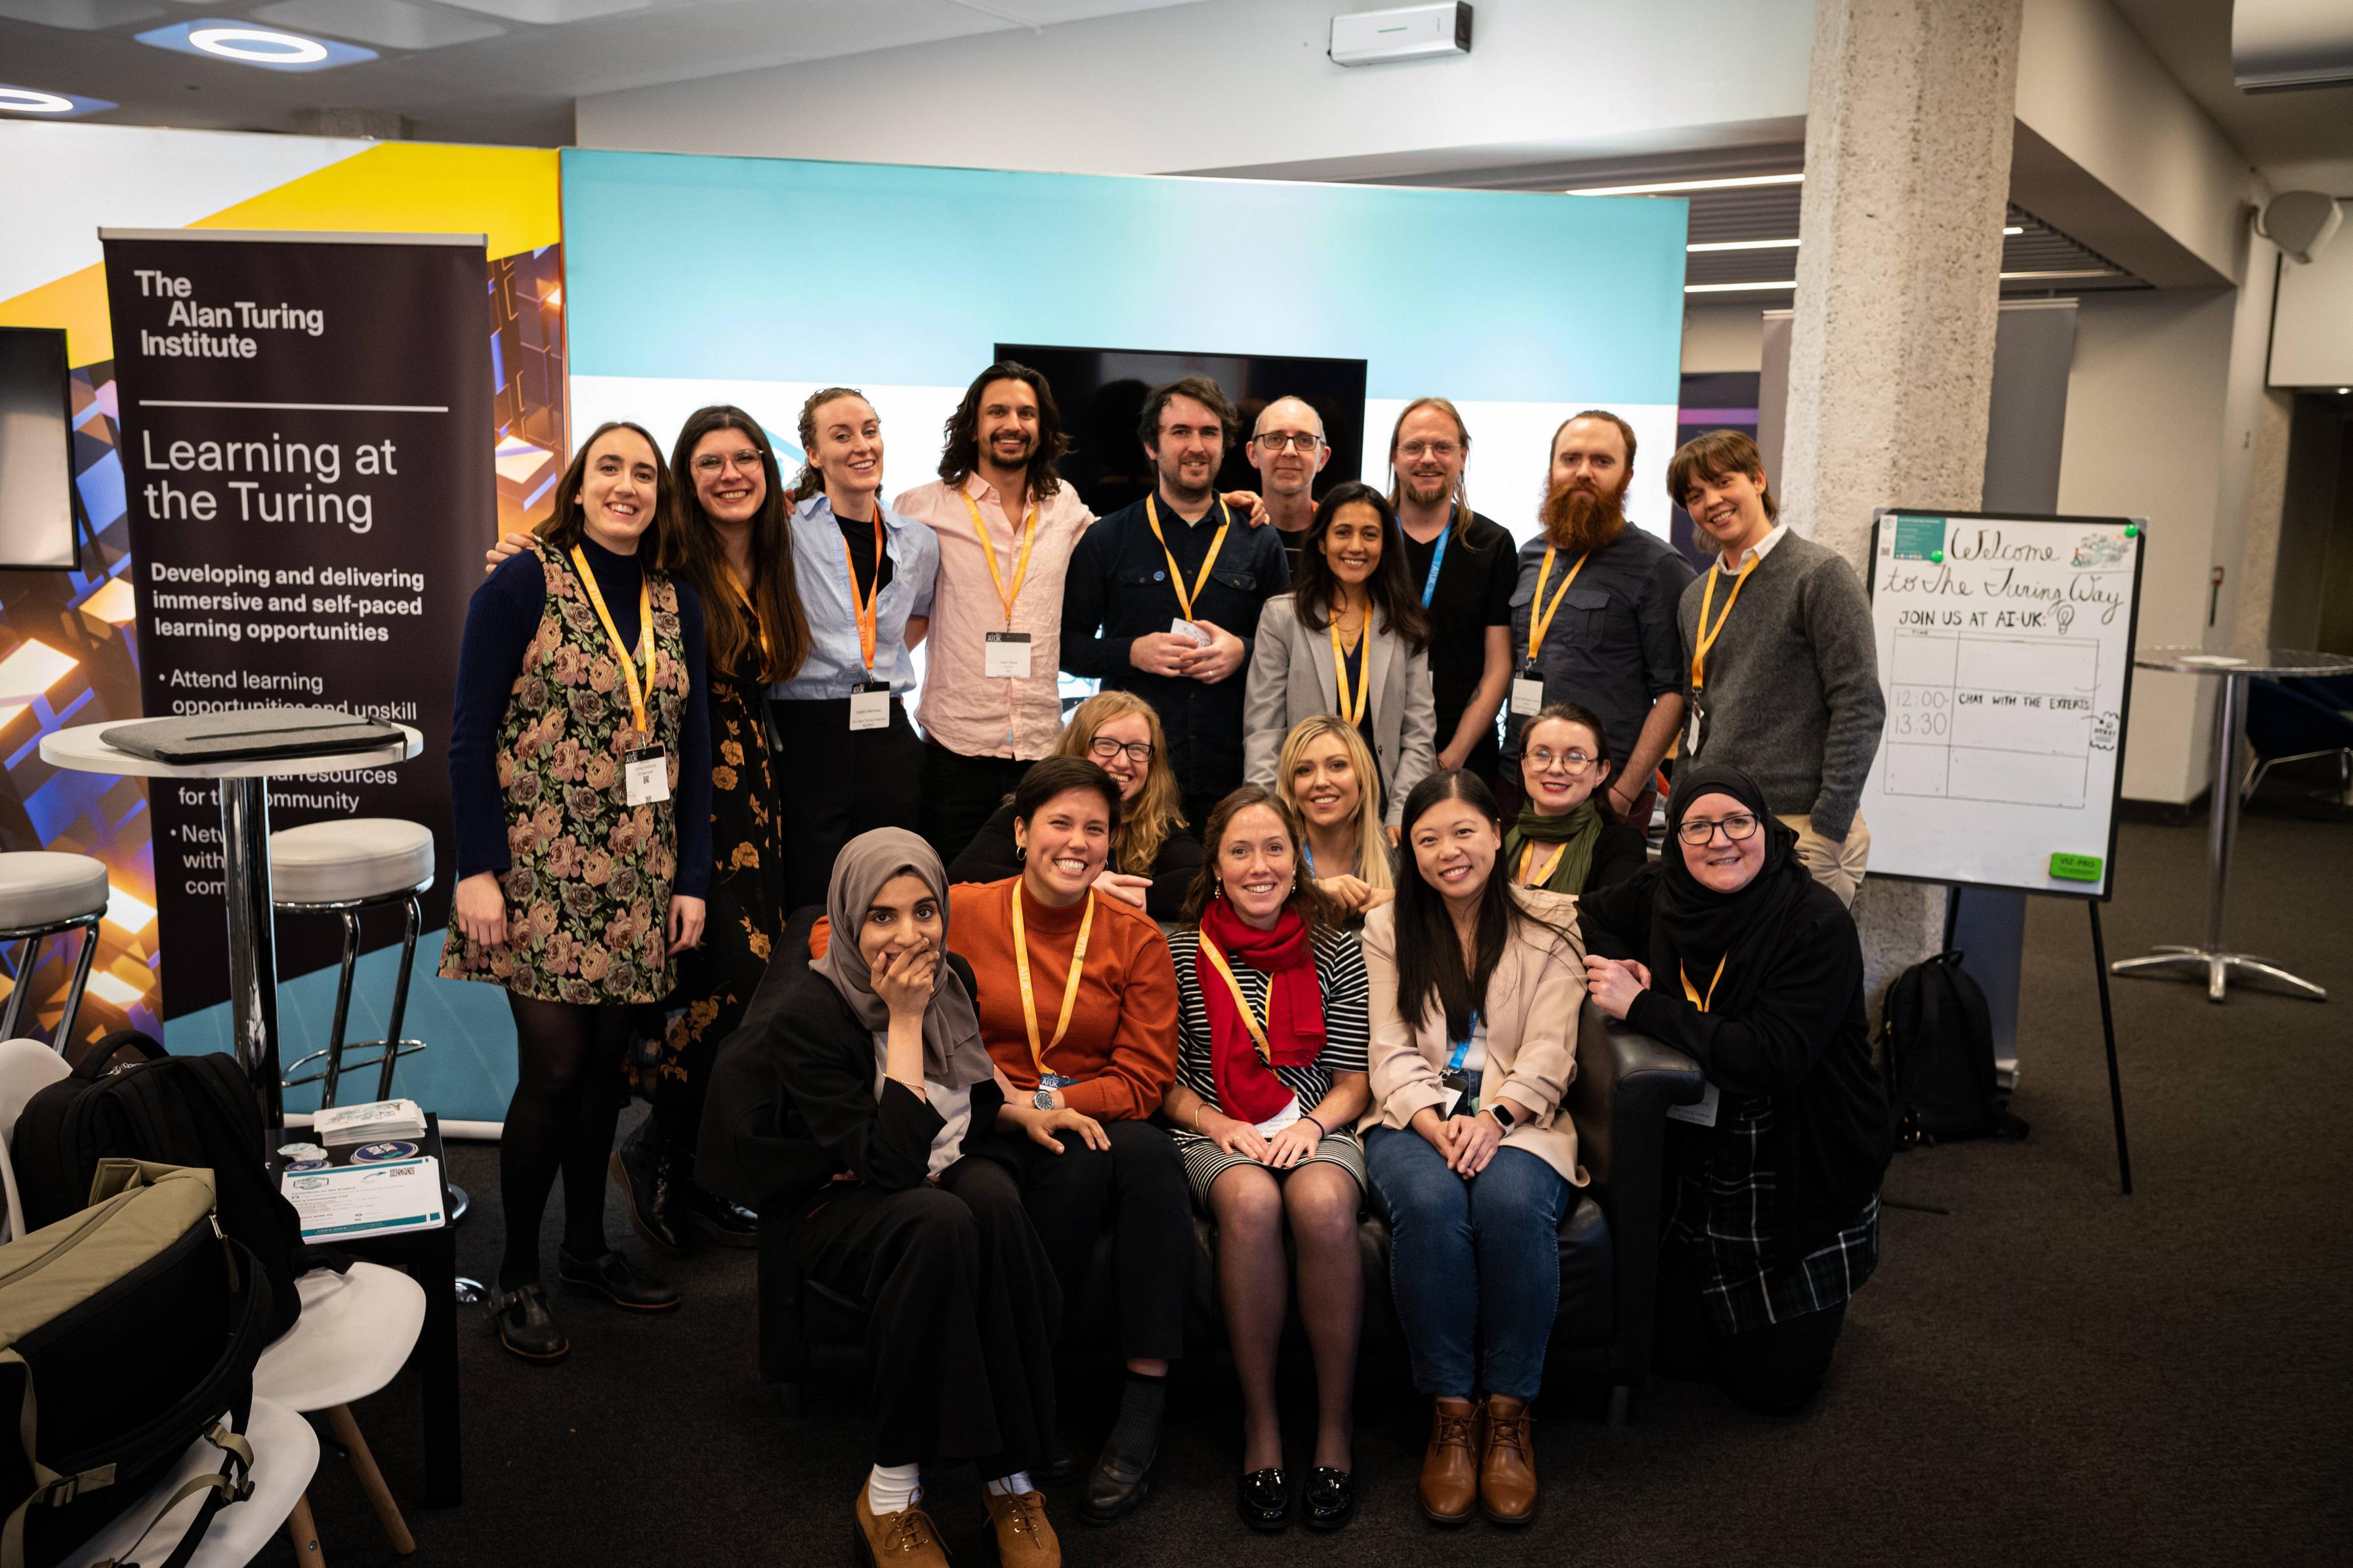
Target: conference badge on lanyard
(1461,1083)
(1703,1113)
(869,699)
(1184,625)
(645,770)
(1528,690)
(1006,654)
(1695,727)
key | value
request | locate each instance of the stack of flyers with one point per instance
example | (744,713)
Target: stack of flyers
(374,1122)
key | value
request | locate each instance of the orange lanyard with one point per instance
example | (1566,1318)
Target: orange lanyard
(1540,623)
(1185,596)
(743,597)
(1070,986)
(1364,668)
(637,694)
(1250,1019)
(1528,853)
(866,610)
(1028,539)
(1708,597)
(1692,992)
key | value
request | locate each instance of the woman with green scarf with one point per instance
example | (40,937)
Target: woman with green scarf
(1561,841)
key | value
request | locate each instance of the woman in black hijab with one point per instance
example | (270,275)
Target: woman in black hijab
(1729,951)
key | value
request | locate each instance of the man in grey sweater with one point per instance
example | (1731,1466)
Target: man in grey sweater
(1781,661)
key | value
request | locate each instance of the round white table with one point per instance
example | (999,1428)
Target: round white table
(2234,668)
(245,871)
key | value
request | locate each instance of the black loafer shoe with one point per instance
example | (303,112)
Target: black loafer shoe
(613,1278)
(1330,1500)
(724,1220)
(1117,1488)
(525,1327)
(645,1176)
(1263,1499)
(1062,1466)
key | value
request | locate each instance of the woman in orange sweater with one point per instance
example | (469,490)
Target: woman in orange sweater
(1078,1005)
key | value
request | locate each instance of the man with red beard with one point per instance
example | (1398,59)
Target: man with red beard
(1593,618)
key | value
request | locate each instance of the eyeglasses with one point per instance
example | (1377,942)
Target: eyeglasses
(1276,441)
(711,462)
(1103,748)
(1738,827)
(1568,762)
(1442,450)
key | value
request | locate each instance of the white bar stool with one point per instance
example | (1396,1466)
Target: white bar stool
(343,868)
(43,894)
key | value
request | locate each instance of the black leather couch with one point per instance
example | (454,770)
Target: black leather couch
(1608,1246)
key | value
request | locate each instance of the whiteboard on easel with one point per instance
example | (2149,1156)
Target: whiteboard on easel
(2006,652)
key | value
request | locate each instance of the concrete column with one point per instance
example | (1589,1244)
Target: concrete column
(1908,124)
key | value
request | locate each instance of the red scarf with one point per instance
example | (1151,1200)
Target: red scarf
(1247,1087)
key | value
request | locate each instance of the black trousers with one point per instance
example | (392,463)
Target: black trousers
(1136,1189)
(962,1308)
(960,794)
(1773,1371)
(833,784)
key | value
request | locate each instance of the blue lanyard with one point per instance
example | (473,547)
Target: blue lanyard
(1437,559)
(1463,1045)
(1307,851)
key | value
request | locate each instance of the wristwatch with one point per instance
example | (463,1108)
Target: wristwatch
(1044,1099)
(1503,1115)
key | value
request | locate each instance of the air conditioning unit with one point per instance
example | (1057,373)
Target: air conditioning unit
(1402,32)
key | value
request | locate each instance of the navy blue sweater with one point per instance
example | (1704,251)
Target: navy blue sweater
(500,621)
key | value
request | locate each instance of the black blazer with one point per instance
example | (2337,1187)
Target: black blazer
(989,859)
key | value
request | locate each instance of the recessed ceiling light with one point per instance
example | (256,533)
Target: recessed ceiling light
(270,49)
(2012,228)
(1744,244)
(2077,272)
(1734,182)
(49,105)
(1738,287)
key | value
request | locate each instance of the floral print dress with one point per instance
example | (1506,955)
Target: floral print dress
(588,885)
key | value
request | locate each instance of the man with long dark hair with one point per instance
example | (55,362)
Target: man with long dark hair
(1593,619)
(1007,525)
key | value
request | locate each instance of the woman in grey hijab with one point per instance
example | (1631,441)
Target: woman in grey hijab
(920,1221)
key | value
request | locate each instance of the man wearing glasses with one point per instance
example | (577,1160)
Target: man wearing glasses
(1288,449)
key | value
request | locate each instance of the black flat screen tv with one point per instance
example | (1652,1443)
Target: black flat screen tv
(36,525)
(1100,393)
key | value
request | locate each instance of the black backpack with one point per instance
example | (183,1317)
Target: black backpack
(173,1110)
(1937,1049)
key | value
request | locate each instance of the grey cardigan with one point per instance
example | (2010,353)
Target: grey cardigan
(1291,677)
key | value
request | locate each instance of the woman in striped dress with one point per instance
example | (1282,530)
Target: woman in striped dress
(1271,1078)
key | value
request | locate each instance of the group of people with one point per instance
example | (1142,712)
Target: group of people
(1281,926)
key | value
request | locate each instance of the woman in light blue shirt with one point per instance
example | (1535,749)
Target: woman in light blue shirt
(850,761)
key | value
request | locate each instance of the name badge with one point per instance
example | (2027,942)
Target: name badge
(1006,654)
(1461,1088)
(1694,725)
(645,775)
(1527,693)
(1184,629)
(1700,1115)
(869,705)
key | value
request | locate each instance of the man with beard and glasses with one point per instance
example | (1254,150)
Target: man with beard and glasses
(1288,449)
(1007,526)
(1776,643)
(1464,566)
(1163,596)
(1593,617)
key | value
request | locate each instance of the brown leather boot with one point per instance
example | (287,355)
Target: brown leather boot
(1449,1468)
(1024,1539)
(1507,1462)
(907,1538)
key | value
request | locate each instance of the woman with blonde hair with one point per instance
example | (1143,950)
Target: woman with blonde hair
(1153,855)
(1325,774)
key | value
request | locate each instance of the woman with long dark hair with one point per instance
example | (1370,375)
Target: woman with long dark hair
(1731,952)
(580,783)
(1349,638)
(1560,840)
(1475,991)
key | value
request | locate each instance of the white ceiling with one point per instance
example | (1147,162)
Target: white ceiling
(2299,140)
(473,71)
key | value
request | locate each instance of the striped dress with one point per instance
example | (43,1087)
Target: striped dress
(1340,971)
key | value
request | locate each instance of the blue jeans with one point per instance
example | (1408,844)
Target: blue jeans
(1475,1260)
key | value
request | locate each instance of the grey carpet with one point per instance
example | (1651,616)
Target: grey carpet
(2050,1372)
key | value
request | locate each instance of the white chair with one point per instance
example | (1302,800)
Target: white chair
(45,894)
(343,868)
(27,1068)
(353,1336)
(285,1455)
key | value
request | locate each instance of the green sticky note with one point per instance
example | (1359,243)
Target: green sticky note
(1919,539)
(2076,867)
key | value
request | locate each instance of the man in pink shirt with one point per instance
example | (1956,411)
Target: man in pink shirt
(1007,525)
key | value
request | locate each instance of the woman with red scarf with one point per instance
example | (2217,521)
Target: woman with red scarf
(1272,1029)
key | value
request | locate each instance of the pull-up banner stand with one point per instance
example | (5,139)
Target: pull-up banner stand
(307,454)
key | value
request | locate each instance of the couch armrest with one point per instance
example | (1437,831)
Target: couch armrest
(1625,1082)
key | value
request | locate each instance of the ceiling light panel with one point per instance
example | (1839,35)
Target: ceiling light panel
(243,43)
(39,103)
(387,24)
(550,13)
(1677,187)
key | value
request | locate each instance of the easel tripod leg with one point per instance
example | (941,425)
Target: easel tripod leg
(2108,1028)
